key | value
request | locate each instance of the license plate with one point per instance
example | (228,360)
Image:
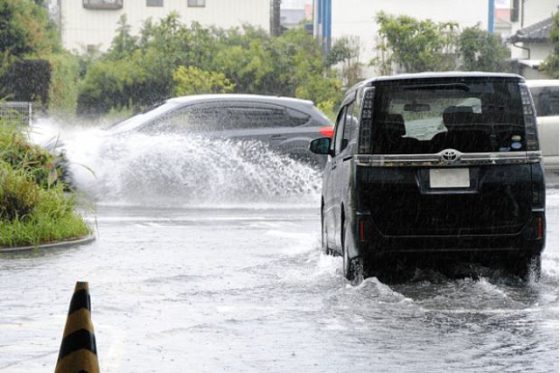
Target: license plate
(450,178)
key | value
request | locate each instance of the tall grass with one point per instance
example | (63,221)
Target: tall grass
(34,208)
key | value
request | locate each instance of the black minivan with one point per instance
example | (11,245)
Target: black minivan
(440,163)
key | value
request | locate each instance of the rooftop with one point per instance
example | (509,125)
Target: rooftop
(539,32)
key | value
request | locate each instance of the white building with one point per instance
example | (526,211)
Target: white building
(88,24)
(357,18)
(527,15)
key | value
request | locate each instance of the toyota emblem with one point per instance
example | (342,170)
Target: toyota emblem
(449,155)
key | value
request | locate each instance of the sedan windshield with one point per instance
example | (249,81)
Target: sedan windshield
(142,119)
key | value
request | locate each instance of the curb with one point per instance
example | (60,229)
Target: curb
(55,245)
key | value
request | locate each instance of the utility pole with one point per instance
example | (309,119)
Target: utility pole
(275,18)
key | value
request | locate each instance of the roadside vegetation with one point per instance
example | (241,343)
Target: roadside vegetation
(410,45)
(34,206)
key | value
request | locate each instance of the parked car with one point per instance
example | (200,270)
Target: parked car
(545,97)
(441,163)
(285,124)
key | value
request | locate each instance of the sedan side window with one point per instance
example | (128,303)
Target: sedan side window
(189,119)
(255,116)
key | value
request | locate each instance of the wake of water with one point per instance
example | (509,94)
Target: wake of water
(179,170)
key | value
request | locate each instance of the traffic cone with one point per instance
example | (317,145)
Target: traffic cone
(78,352)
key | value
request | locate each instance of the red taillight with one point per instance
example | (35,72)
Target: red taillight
(539,228)
(327,131)
(362,229)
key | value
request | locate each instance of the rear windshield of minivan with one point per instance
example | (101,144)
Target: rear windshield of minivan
(469,115)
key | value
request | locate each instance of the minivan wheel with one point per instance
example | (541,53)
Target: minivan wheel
(352,269)
(527,267)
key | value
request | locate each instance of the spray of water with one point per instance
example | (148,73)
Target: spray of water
(180,170)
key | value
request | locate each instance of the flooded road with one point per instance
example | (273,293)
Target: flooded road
(234,289)
(243,287)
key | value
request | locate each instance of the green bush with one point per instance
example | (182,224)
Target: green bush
(30,159)
(34,208)
(170,58)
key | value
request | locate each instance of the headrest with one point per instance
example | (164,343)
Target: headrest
(392,123)
(458,115)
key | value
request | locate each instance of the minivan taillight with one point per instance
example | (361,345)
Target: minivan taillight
(539,228)
(327,131)
(529,117)
(366,121)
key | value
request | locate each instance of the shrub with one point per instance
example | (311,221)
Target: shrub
(34,208)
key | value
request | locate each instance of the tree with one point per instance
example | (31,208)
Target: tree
(550,64)
(192,80)
(170,58)
(345,52)
(415,46)
(123,44)
(482,51)
(25,29)
(29,80)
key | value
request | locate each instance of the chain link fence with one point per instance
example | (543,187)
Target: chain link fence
(16,112)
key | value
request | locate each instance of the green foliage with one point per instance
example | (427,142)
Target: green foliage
(65,76)
(28,80)
(28,42)
(192,80)
(18,193)
(169,58)
(550,64)
(482,51)
(34,208)
(25,29)
(345,52)
(32,160)
(415,45)
(124,44)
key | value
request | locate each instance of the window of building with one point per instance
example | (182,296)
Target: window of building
(154,2)
(196,3)
(102,4)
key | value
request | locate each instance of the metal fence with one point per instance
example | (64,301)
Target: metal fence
(16,112)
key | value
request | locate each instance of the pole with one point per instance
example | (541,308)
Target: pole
(491,14)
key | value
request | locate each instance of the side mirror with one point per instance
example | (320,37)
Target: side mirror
(321,146)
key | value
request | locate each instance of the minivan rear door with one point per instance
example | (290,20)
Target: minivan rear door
(447,157)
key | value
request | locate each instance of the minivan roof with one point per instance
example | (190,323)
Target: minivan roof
(435,75)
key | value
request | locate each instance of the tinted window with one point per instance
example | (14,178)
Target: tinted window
(243,117)
(430,116)
(546,100)
(226,116)
(296,118)
(350,126)
(338,137)
(191,119)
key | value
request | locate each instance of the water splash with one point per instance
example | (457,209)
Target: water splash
(179,170)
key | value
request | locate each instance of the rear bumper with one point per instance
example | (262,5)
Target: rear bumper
(528,240)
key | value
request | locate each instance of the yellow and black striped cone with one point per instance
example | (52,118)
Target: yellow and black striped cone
(78,352)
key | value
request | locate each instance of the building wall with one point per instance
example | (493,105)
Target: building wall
(535,11)
(357,17)
(83,27)
(532,12)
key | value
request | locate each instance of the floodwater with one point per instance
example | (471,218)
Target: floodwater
(212,263)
